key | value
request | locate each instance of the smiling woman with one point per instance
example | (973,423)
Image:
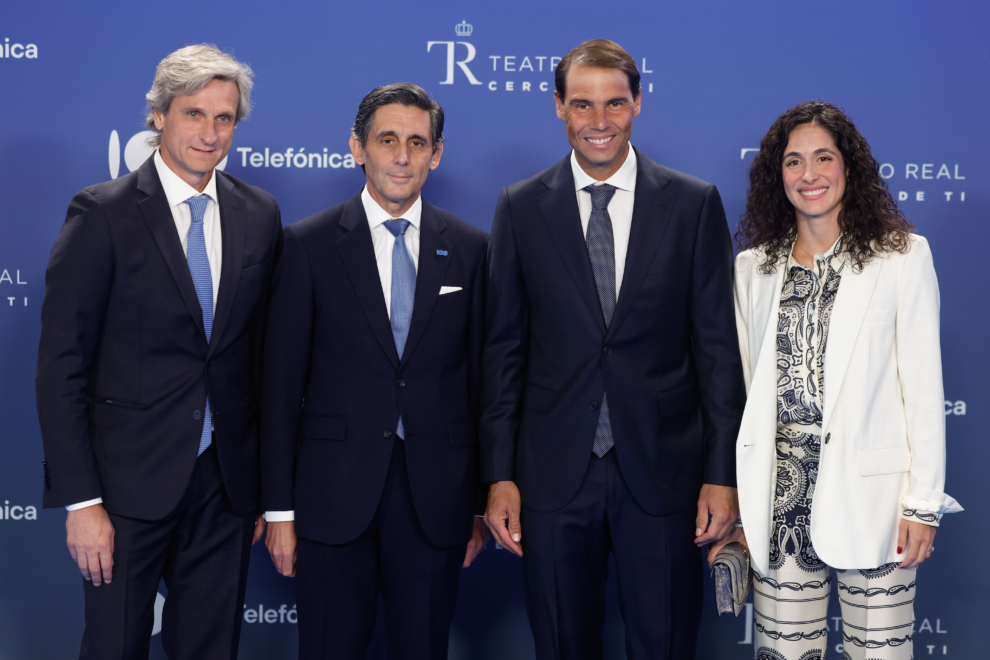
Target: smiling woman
(837,311)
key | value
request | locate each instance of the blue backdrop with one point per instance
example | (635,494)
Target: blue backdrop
(912,75)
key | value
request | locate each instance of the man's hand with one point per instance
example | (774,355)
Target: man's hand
(914,538)
(479,538)
(502,516)
(89,535)
(259,529)
(737,534)
(281,544)
(722,504)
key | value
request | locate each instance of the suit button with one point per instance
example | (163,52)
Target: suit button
(607,350)
(386,434)
(197,414)
(593,405)
(828,437)
(401,383)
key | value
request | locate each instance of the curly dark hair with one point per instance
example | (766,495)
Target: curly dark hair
(869,218)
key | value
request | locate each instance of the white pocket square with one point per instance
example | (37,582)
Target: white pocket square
(449,289)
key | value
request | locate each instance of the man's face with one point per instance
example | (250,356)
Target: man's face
(599,108)
(197,131)
(397,156)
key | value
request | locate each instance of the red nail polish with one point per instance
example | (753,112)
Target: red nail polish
(899,550)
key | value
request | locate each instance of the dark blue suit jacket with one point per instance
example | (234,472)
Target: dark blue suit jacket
(669,359)
(123,364)
(334,385)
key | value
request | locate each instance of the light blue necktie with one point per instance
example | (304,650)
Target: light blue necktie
(601,249)
(403,291)
(199,268)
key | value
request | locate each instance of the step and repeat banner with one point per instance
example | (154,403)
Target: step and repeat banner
(912,75)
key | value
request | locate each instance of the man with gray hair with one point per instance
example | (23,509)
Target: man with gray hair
(148,365)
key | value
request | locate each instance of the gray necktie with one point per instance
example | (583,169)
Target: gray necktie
(601,249)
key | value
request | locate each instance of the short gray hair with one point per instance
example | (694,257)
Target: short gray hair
(190,69)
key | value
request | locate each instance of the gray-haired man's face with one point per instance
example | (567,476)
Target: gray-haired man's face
(197,131)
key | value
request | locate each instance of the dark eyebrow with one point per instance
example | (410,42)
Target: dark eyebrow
(823,150)
(419,137)
(577,101)
(379,136)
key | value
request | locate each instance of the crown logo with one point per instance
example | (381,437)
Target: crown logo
(464,29)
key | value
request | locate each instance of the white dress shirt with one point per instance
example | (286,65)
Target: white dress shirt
(177,192)
(620,208)
(383,242)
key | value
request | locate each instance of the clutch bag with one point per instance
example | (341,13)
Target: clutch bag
(733,578)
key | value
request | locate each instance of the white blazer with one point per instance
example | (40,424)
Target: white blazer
(883,426)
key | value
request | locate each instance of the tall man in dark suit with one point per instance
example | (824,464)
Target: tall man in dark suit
(612,382)
(147,381)
(370,407)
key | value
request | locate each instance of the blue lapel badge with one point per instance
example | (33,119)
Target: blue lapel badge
(441,253)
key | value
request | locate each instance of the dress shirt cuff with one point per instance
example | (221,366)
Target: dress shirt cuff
(280,516)
(929,518)
(83,505)
(939,503)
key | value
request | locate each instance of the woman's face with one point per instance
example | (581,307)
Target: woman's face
(814,174)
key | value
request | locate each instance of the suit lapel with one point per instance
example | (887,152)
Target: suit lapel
(848,312)
(649,220)
(357,252)
(232,232)
(558,206)
(158,215)
(429,275)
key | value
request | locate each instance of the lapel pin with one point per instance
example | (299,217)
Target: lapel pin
(441,253)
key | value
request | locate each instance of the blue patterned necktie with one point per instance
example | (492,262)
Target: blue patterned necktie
(601,249)
(199,268)
(403,291)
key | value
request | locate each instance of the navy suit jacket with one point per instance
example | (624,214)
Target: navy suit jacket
(669,359)
(124,366)
(335,386)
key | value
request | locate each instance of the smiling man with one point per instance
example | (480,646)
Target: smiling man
(372,377)
(147,381)
(613,389)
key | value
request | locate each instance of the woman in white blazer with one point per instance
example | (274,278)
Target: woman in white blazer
(841,452)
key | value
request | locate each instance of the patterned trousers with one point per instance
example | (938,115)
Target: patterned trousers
(791,607)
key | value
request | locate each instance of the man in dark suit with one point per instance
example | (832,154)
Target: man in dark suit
(612,382)
(147,382)
(370,407)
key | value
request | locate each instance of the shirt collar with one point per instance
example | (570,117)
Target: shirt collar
(835,256)
(377,215)
(623,179)
(178,191)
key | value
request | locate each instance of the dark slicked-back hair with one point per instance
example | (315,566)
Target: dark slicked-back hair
(600,53)
(406,94)
(869,218)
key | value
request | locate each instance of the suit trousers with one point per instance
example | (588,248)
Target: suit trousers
(565,566)
(201,550)
(337,586)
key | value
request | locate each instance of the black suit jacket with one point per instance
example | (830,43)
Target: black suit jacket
(669,359)
(334,385)
(124,366)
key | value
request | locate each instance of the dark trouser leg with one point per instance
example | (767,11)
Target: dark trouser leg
(659,571)
(120,615)
(337,597)
(201,551)
(565,565)
(206,571)
(418,580)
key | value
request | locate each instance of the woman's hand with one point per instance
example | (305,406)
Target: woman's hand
(914,539)
(736,534)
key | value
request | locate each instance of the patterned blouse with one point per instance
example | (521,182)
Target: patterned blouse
(806,302)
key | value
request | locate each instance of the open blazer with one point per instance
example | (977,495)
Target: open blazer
(883,427)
